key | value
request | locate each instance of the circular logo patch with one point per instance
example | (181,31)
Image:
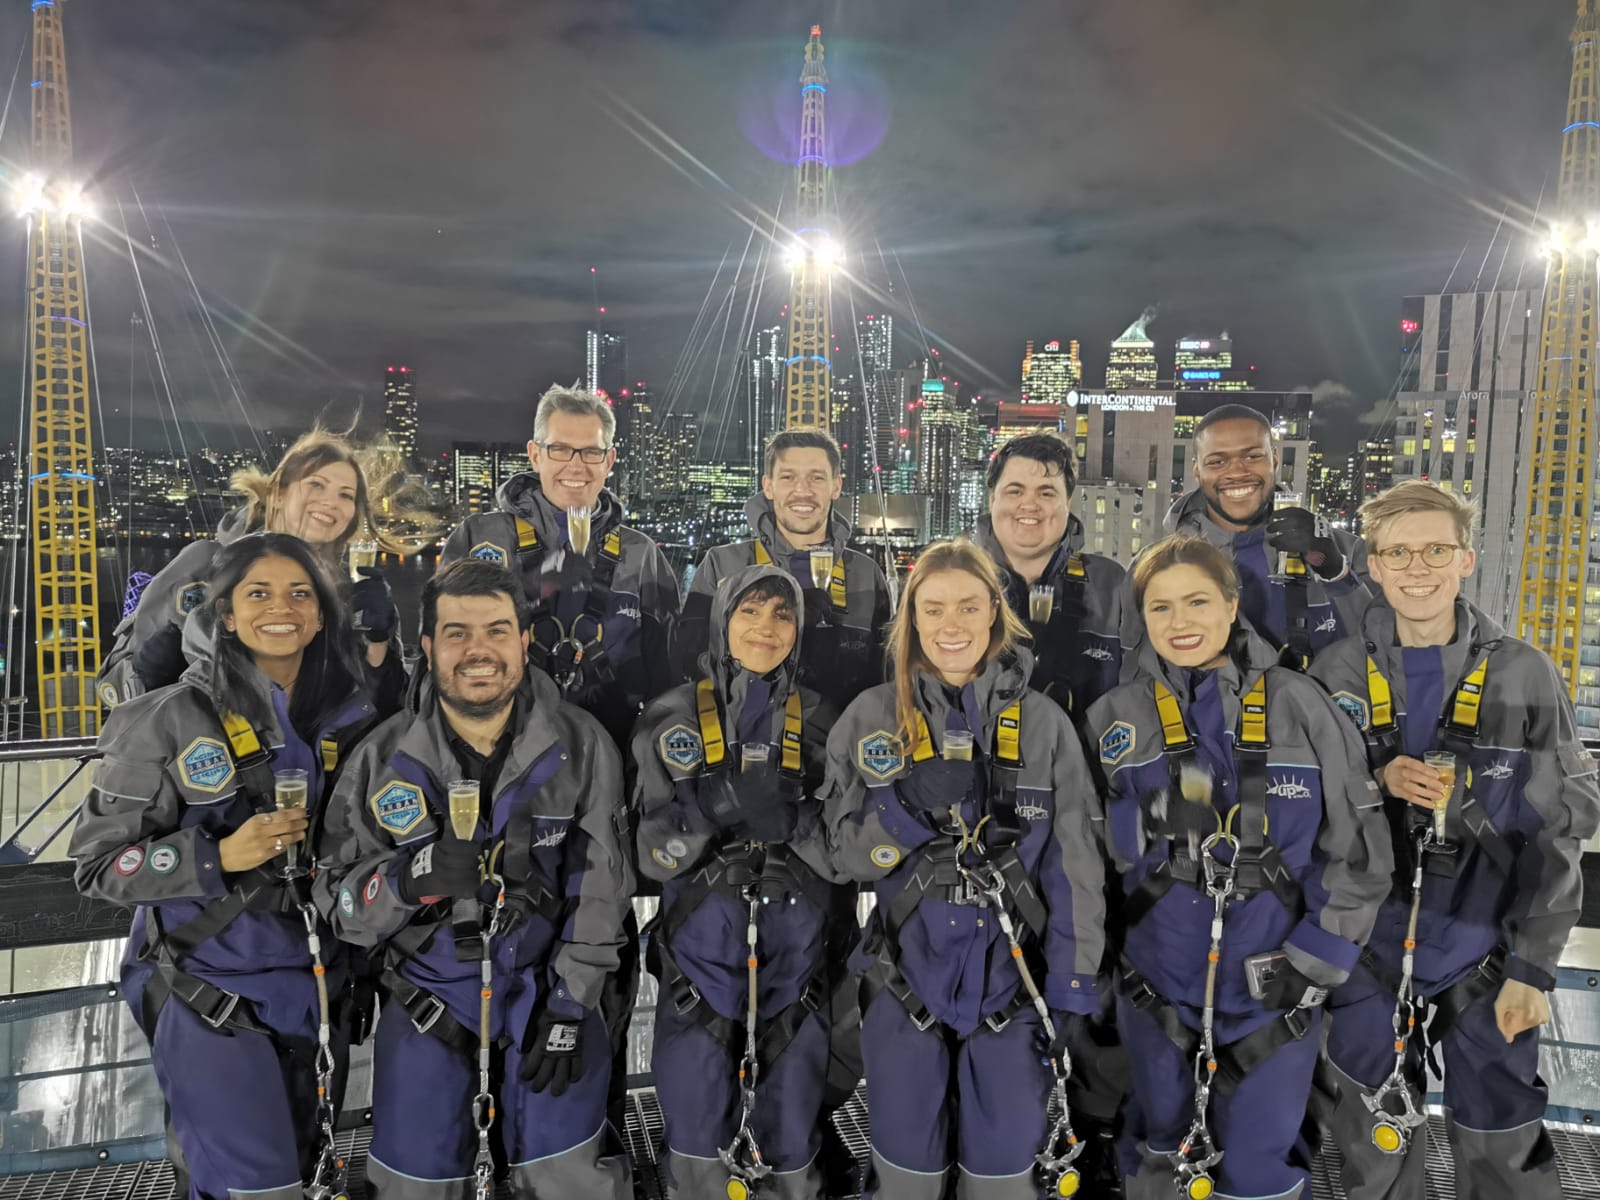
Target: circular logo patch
(164,859)
(664,859)
(130,860)
(374,886)
(108,695)
(885,856)
(677,847)
(347,902)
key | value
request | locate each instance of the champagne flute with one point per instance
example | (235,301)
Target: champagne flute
(363,552)
(464,802)
(578,519)
(1443,762)
(958,745)
(1041,603)
(291,789)
(821,569)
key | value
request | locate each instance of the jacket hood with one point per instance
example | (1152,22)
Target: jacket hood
(522,496)
(235,525)
(1002,681)
(1071,541)
(1189,513)
(716,661)
(763,520)
(200,637)
(1474,627)
(1248,651)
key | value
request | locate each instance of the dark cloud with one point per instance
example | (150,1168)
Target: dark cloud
(364,181)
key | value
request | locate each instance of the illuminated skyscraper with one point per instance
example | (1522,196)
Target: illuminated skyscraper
(1205,364)
(764,374)
(1049,374)
(1133,358)
(400,410)
(634,409)
(605,361)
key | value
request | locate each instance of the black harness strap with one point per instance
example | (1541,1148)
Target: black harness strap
(1234,1060)
(570,651)
(1297,611)
(428,1013)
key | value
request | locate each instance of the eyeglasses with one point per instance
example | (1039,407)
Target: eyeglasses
(1399,558)
(593,455)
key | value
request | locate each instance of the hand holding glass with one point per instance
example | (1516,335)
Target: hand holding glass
(363,553)
(291,788)
(958,745)
(464,802)
(754,756)
(1443,762)
(1041,603)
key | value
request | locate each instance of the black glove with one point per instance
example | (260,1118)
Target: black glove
(564,571)
(552,1052)
(372,602)
(748,804)
(159,659)
(1300,531)
(448,867)
(935,785)
(1070,1029)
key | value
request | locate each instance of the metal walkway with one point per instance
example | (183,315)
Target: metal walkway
(1579,1156)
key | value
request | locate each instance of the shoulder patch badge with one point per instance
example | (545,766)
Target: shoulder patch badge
(885,856)
(108,694)
(129,861)
(1117,743)
(191,597)
(878,754)
(681,747)
(206,765)
(1353,707)
(374,886)
(347,902)
(398,807)
(164,859)
(664,859)
(489,552)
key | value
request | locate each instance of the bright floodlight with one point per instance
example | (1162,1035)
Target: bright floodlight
(794,255)
(829,253)
(75,204)
(29,196)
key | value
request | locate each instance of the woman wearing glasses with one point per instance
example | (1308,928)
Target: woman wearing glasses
(1253,859)
(320,492)
(1489,792)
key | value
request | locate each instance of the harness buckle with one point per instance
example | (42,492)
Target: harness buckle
(433,1007)
(217,1018)
(687,1000)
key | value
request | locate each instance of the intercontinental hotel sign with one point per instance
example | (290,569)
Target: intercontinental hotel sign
(1123,401)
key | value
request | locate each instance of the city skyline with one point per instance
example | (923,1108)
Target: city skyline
(332,200)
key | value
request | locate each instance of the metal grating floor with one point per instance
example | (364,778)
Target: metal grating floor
(1579,1155)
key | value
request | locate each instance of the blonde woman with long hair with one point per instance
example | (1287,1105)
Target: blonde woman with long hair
(952,775)
(321,492)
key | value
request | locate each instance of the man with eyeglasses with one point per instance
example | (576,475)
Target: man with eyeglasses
(602,610)
(1471,736)
(1233,506)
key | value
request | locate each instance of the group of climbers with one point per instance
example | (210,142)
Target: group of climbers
(1133,840)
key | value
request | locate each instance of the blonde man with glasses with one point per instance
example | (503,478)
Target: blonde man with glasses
(1471,737)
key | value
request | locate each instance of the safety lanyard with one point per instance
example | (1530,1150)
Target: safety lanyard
(715,746)
(836,590)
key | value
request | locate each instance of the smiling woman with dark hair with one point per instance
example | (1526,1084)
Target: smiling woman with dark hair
(183,825)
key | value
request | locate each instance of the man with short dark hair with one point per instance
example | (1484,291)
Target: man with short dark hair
(1305,582)
(1072,601)
(602,610)
(846,595)
(398,872)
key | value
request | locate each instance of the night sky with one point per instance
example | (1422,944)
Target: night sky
(365,182)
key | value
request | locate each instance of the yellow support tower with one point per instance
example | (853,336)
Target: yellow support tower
(809,371)
(66,621)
